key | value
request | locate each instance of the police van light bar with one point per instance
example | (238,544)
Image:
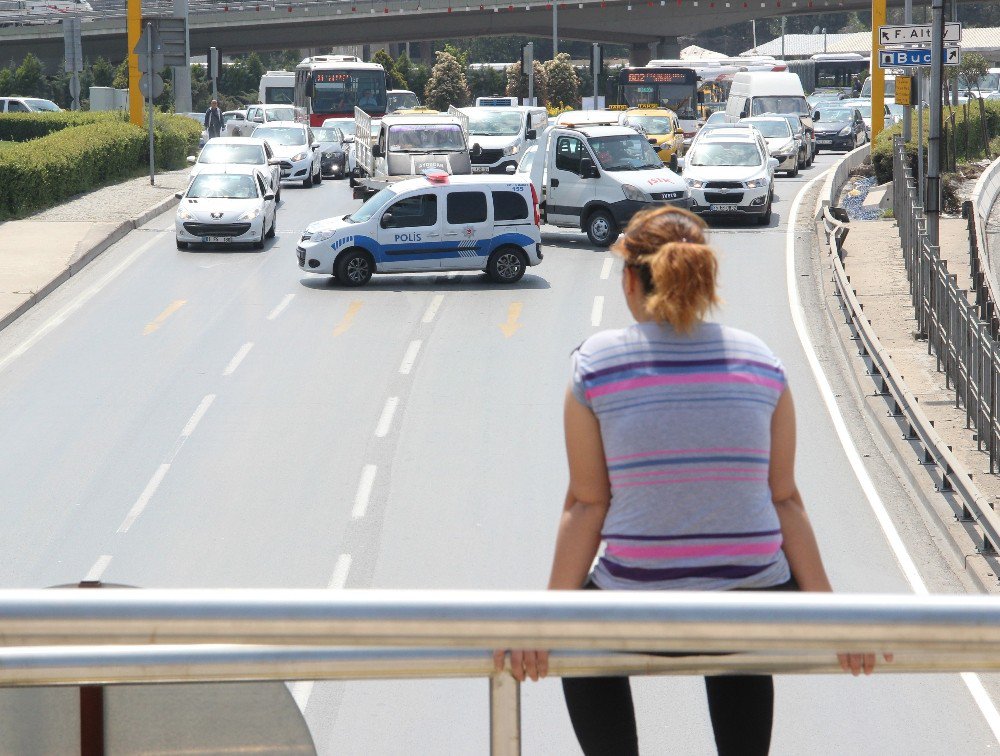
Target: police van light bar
(435,175)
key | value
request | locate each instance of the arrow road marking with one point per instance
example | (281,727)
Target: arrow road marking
(162,317)
(512,325)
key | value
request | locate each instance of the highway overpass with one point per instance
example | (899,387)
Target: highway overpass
(245,26)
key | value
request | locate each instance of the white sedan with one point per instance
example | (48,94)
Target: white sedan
(226,204)
(236,151)
(297,150)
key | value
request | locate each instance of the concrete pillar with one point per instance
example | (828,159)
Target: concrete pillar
(639,54)
(669,48)
(182,74)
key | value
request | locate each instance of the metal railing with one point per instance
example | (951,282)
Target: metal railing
(70,637)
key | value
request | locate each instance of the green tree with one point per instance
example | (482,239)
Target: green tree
(562,81)
(404,67)
(393,79)
(29,80)
(418,77)
(102,73)
(121,76)
(461,54)
(447,85)
(517,85)
(6,82)
(486,82)
(971,69)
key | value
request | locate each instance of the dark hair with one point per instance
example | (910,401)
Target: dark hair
(666,248)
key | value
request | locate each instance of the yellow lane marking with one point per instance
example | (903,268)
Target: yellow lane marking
(512,325)
(348,318)
(162,317)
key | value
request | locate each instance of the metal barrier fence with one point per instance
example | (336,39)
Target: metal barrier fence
(72,637)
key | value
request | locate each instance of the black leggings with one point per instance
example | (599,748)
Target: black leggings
(741,707)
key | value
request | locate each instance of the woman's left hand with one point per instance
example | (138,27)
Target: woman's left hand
(524,663)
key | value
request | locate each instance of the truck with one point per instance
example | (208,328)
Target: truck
(595,178)
(405,145)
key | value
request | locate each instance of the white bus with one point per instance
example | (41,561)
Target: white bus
(277,88)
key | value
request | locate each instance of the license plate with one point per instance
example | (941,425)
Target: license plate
(723,208)
(480,169)
(824,141)
(217,239)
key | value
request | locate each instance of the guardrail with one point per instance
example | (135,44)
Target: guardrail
(72,637)
(967,351)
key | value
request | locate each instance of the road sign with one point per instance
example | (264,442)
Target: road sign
(914,34)
(73,44)
(157,85)
(917,56)
(903,88)
(172,36)
(158,64)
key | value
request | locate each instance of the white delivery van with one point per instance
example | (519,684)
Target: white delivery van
(432,223)
(503,134)
(496,102)
(890,87)
(596,178)
(404,145)
(756,93)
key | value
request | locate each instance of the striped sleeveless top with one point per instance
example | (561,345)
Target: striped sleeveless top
(686,425)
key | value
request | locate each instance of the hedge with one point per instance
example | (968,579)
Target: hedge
(22,127)
(43,172)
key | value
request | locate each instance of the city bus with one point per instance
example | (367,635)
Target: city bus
(673,88)
(331,86)
(277,88)
(831,71)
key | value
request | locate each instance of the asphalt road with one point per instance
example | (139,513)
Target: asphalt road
(220,419)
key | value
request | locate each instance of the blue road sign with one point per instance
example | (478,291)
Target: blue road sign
(917,56)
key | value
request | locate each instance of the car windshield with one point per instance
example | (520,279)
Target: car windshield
(725,153)
(327,134)
(347,127)
(280,114)
(240,154)
(426,138)
(375,203)
(625,153)
(397,100)
(793,122)
(651,124)
(717,117)
(834,115)
(792,104)
(234,116)
(222,186)
(866,110)
(495,124)
(287,136)
(47,105)
(773,129)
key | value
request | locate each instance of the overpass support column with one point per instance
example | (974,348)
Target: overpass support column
(639,54)
(668,48)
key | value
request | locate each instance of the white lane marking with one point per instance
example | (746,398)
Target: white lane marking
(199,413)
(144,497)
(300,692)
(364,492)
(98,569)
(281,306)
(238,358)
(606,268)
(410,357)
(906,563)
(385,419)
(339,578)
(49,325)
(432,308)
(597,313)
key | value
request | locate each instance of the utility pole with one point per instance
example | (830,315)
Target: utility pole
(933,208)
(907,126)
(878,75)
(134,26)
(151,72)
(555,28)
(783,20)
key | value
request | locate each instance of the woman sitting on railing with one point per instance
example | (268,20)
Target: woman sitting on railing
(680,434)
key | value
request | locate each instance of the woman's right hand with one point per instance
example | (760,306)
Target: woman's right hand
(524,663)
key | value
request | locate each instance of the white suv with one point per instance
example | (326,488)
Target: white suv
(27,105)
(731,173)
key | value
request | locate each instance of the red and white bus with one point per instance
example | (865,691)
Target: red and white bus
(331,86)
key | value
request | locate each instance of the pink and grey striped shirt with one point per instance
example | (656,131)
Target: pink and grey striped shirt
(686,426)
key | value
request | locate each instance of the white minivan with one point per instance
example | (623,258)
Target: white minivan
(436,222)
(503,134)
(757,93)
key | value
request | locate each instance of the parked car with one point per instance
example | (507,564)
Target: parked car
(226,204)
(27,105)
(839,127)
(238,151)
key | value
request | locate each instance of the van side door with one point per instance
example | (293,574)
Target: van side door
(468,229)
(409,234)
(567,193)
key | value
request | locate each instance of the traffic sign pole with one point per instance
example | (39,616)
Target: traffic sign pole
(878,75)
(149,112)
(933,208)
(907,126)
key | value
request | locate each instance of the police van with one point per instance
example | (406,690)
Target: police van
(437,222)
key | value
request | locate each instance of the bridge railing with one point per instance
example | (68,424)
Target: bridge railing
(68,637)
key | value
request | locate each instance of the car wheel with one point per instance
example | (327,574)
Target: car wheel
(277,194)
(506,265)
(181,245)
(274,227)
(673,162)
(602,229)
(795,171)
(765,219)
(355,268)
(318,178)
(802,159)
(307,182)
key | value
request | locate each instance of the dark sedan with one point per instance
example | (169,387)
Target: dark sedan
(332,150)
(838,128)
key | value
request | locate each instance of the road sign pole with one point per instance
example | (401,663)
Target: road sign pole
(921,88)
(878,75)
(555,28)
(134,25)
(933,200)
(907,126)
(149,111)
(596,64)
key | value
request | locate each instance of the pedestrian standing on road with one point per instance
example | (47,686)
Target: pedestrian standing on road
(213,120)
(680,434)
